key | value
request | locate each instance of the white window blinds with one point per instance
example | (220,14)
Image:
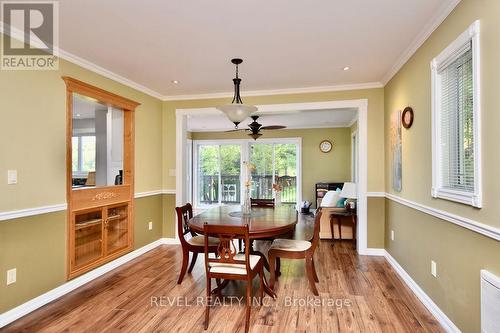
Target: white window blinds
(456,120)
(457,117)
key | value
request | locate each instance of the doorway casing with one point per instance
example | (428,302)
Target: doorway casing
(362,133)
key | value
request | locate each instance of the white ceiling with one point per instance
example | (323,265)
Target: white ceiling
(292,119)
(285,44)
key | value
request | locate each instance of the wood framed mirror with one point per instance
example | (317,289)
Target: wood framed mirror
(99,175)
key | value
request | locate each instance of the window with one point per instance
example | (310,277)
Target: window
(275,163)
(456,138)
(218,171)
(84,154)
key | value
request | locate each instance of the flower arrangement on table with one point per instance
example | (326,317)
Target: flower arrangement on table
(277,194)
(248,183)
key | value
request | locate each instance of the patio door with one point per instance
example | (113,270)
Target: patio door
(217,174)
(274,163)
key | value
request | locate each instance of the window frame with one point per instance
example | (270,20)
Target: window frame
(245,156)
(80,173)
(451,53)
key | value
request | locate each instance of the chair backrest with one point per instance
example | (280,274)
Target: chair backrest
(317,222)
(226,249)
(266,203)
(184,213)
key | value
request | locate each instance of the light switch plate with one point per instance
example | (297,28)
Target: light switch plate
(150,225)
(433,268)
(392,235)
(11,177)
(11,276)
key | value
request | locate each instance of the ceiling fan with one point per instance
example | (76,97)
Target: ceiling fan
(254,128)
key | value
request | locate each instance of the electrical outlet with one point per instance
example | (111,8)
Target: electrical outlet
(392,235)
(433,268)
(150,225)
(11,276)
(11,177)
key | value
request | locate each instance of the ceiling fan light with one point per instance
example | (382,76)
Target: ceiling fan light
(255,136)
(237,112)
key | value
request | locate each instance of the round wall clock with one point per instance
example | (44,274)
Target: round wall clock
(407,117)
(325,146)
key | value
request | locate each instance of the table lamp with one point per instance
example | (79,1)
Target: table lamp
(350,192)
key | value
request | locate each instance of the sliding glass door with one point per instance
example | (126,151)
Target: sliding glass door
(274,163)
(218,169)
(219,175)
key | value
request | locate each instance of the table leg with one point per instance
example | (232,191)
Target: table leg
(260,254)
(331,228)
(220,286)
(354,238)
(339,219)
(267,289)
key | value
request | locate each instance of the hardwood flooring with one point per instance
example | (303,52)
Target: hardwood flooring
(359,294)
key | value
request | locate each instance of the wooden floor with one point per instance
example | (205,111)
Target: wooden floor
(359,294)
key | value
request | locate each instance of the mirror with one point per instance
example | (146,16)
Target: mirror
(96,143)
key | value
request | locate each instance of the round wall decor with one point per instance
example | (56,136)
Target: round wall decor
(325,146)
(407,117)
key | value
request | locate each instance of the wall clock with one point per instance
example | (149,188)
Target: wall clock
(325,146)
(407,117)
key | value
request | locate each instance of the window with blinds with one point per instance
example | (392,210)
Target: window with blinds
(457,137)
(456,121)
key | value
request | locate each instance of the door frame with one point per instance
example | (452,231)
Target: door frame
(362,114)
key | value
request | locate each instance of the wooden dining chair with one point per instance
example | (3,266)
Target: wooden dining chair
(266,203)
(262,203)
(194,243)
(228,264)
(296,249)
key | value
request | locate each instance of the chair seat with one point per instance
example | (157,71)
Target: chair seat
(199,240)
(290,245)
(217,267)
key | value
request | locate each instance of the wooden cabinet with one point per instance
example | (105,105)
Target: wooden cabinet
(101,211)
(98,234)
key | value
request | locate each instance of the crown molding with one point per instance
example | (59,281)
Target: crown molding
(270,92)
(426,32)
(19,35)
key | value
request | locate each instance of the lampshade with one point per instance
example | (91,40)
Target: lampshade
(237,112)
(349,191)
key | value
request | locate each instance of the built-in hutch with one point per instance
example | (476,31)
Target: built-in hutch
(100,176)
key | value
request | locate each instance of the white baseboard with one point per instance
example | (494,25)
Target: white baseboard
(37,302)
(374,252)
(440,316)
(173,241)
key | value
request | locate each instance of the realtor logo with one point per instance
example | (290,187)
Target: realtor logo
(30,35)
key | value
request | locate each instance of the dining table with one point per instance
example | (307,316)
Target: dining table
(263,223)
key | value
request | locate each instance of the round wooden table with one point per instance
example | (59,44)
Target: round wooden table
(262,223)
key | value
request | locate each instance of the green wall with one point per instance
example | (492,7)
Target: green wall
(460,253)
(36,246)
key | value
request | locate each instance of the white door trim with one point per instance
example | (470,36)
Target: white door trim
(360,104)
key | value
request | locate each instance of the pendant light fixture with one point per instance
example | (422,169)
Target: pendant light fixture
(237,111)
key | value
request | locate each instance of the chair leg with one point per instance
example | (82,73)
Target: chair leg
(272,269)
(240,244)
(310,275)
(278,266)
(193,261)
(209,297)
(185,258)
(249,305)
(315,275)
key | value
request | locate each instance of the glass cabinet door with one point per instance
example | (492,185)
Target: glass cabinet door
(88,236)
(116,227)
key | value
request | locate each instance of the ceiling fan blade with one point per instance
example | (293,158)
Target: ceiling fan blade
(237,130)
(273,127)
